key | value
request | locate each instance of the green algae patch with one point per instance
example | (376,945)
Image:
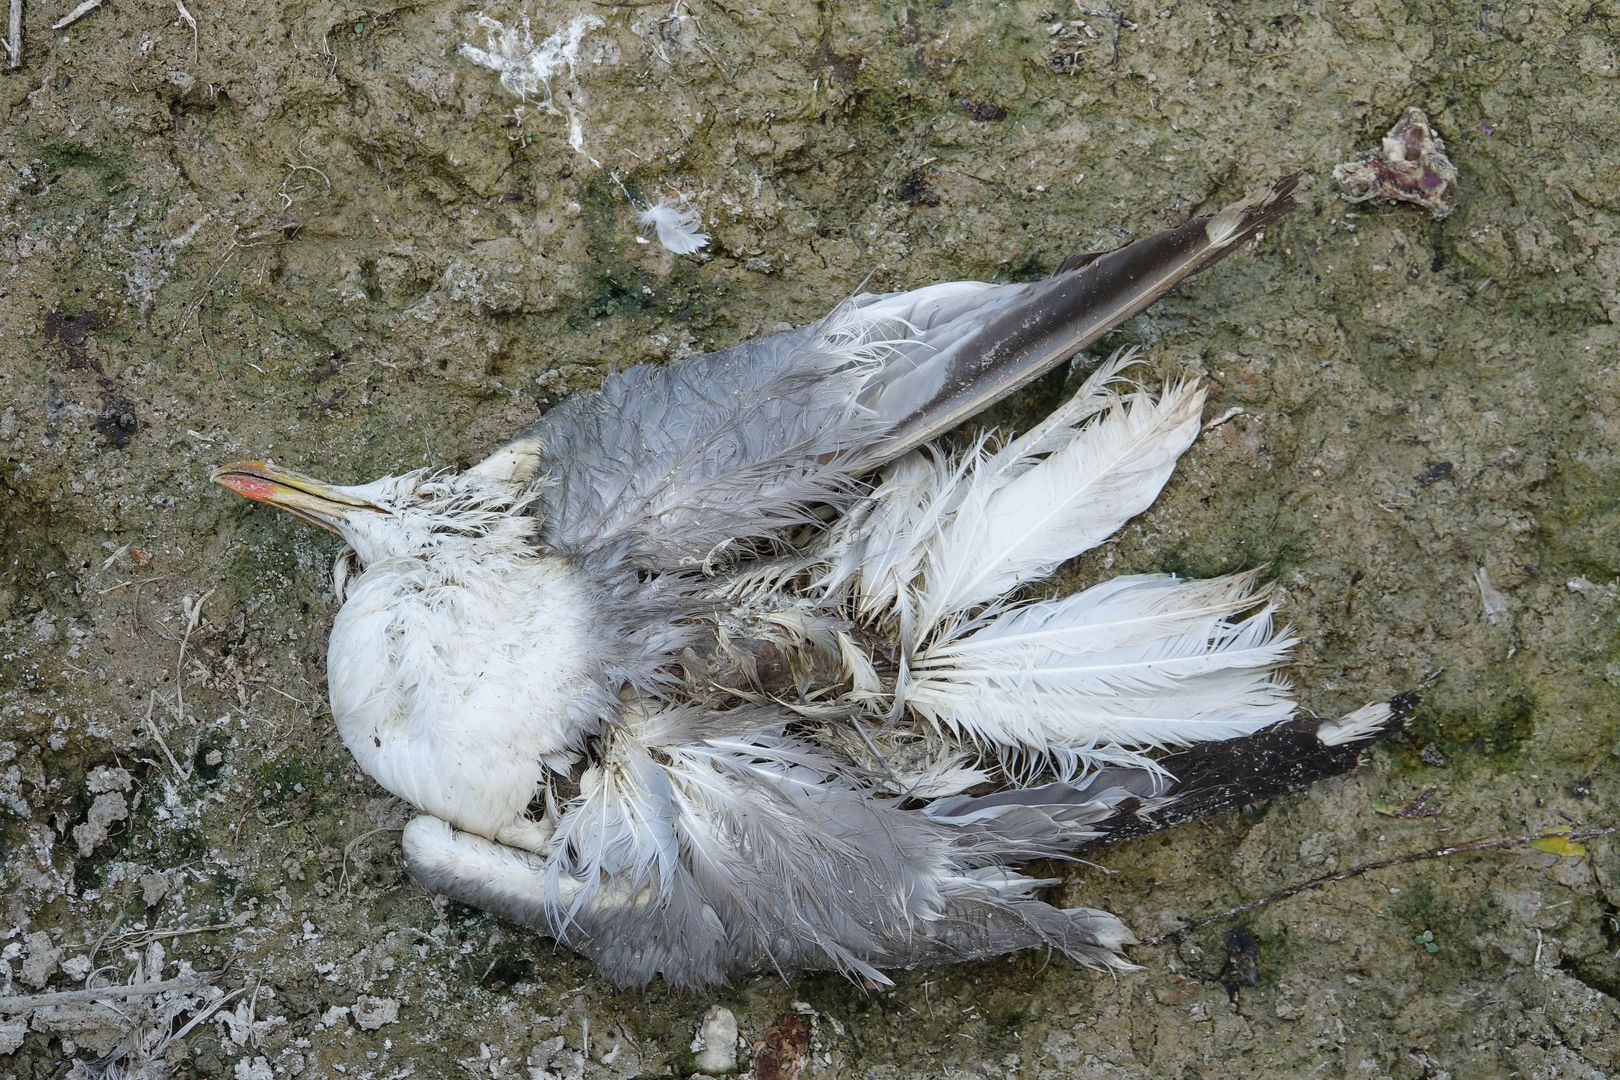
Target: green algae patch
(1495,729)
(107,171)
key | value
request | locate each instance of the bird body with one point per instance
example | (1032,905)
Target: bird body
(454,690)
(723,668)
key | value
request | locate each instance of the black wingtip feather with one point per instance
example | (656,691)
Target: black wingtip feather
(1259,210)
(1222,775)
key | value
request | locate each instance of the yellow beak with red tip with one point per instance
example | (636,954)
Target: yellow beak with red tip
(299,495)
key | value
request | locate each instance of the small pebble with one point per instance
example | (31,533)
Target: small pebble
(716,1042)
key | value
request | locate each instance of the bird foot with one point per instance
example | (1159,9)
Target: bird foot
(527,835)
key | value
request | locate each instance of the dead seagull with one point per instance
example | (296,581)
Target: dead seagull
(724,668)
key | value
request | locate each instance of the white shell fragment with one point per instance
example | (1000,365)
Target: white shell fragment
(1411,167)
(715,1047)
(1490,596)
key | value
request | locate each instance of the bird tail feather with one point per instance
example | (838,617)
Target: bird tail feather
(940,537)
(1024,509)
(1214,777)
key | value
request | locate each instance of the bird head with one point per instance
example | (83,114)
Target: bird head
(425,514)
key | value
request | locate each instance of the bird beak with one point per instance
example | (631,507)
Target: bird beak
(315,502)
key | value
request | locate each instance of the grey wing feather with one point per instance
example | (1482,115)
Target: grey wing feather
(1030,331)
(678,461)
(732,845)
(1050,821)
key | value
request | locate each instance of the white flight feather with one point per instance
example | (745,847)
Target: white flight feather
(1364,723)
(1119,612)
(1135,663)
(1097,394)
(1023,521)
(479,870)
(923,539)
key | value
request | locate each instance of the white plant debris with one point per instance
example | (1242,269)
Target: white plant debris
(528,70)
(676,226)
(76,14)
(1495,603)
(676,29)
(122,1029)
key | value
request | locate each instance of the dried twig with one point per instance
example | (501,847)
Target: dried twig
(348,851)
(134,581)
(14,36)
(29,1002)
(185,17)
(268,685)
(138,938)
(76,14)
(102,940)
(1380,864)
(204,1013)
(146,937)
(157,736)
(193,614)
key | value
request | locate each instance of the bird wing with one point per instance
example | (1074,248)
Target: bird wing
(709,844)
(679,461)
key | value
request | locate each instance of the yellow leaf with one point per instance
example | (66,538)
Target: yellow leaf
(1560,845)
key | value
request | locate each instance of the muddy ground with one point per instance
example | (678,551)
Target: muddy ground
(317,232)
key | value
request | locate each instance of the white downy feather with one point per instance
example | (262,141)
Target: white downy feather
(874,555)
(527,69)
(1135,663)
(678,228)
(1364,723)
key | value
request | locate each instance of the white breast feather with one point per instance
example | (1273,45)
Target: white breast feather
(451,694)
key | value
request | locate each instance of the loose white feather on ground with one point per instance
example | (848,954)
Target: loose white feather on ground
(529,70)
(677,226)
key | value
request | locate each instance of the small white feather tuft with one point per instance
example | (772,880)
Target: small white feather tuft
(528,69)
(1365,723)
(676,226)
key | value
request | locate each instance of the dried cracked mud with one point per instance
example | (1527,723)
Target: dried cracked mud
(320,233)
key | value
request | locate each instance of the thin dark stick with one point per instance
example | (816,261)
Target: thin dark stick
(1380,864)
